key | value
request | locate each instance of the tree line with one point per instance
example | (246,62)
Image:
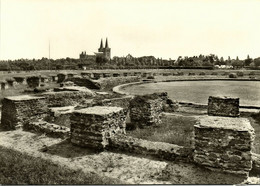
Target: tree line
(124,62)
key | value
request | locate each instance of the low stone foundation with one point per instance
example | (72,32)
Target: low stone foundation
(146,110)
(224,144)
(18,110)
(60,115)
(160,150)
(66,98)
(50,129)
(109,83)
(223,106)
(93,126)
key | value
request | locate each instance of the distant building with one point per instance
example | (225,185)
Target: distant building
(102,51)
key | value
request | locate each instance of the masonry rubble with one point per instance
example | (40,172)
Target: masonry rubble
(93,126)
(223,106)
(224,144)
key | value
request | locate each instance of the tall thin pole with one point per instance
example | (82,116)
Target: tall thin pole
(49,50)
(0,27)
(49,54)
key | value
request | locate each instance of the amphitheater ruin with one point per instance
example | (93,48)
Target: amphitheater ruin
(93,117)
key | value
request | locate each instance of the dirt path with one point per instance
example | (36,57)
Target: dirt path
(128,168)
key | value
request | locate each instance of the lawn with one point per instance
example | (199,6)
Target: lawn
(19,168)
(173,129)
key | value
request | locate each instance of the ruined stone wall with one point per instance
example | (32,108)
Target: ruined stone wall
(61,77)
(50,129)
(123,102)
(33,81)
(160,150)
(17,110)
(223,106)
(109,83)
(66,98)
(146,110)
(84,82)
(93,126)
(224,144)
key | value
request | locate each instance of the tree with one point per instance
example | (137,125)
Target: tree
(101,60)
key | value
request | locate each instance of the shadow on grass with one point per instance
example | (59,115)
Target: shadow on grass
(67,150)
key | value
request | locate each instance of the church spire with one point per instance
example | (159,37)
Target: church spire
(101,44)
(106,44)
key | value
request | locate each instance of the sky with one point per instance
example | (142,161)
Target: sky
(162,28)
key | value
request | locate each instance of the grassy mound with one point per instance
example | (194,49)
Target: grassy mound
(19,168)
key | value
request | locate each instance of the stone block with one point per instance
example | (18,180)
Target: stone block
(62,77)
(93,126)
(223,106)
(146,110)
(17,110)
(224,144)
(33,81)
(4,85)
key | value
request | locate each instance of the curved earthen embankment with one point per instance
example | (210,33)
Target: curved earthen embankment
(118,89)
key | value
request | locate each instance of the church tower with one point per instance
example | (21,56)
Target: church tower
(107,51)
(101,49)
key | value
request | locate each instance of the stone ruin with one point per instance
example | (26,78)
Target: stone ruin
(91,127)
(33,81)
(146,110)
(18,110)
(224,144)
(221,143)
(223,106)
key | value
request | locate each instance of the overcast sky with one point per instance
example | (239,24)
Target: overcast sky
(162,28)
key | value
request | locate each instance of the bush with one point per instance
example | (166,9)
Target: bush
(232,75)
(202,73)
(192,74)
(240,74)
(214,73)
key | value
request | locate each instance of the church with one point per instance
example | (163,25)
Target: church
(102,51)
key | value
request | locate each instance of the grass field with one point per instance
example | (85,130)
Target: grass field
(173,129)
(18,168)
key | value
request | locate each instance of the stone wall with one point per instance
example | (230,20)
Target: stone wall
(61,77)
(223,106)
(33,81)
(123,102)
(146,110)
(50,129)
(224,144)
(109,83)
(160,150)
(84,82)
(93,126)
(66,98)
(20,79)
(17,110)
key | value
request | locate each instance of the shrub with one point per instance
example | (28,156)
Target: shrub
(232,75)
(202,73)
(214,73)
(192,74)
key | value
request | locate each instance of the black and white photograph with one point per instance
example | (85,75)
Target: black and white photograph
(129,92)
